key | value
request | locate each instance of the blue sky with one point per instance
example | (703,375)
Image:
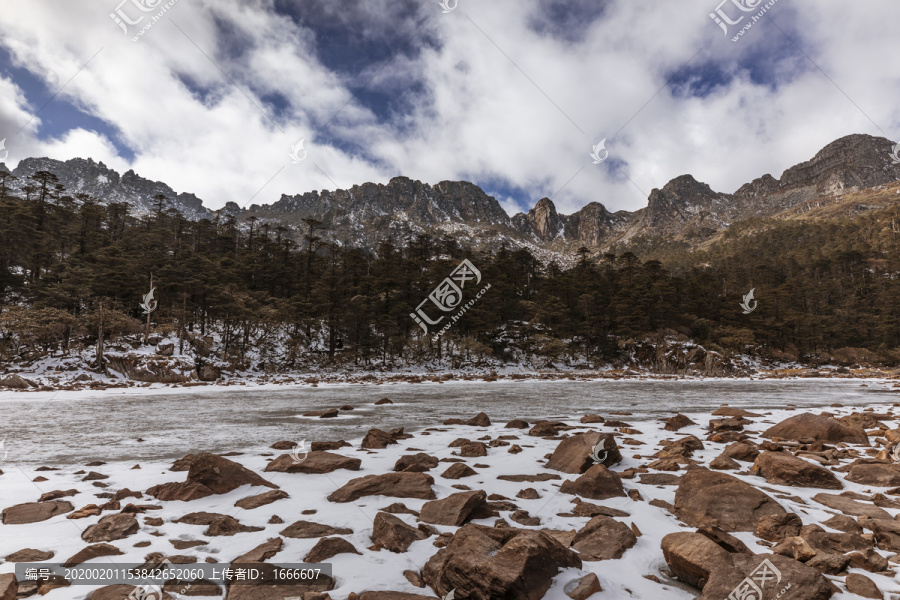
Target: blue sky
(508,95)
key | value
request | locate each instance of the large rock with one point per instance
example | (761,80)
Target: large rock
(677,422)
(315,463)
(217,524)
(454,510)
(778,527)
(9,587)
(325,548)
(251,502)
(887,534)
(389,531)
(415,463)
(308,529)
(111,527)
(716,499)
(262,552)
(597,483)
(208,474)
(30,555)
(849,506)
(781,468)
(377,439)
(479,420)
(882,475)
(487,563)
(91,552)
(863,586)
(573,454)
(807,426)
(692,556)
(603,538)
(397,485)
(33,512)
(785,579)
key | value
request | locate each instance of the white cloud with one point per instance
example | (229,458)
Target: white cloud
(482,115)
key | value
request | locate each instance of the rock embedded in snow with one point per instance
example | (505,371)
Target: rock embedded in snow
(308,529)
(807,426)
(261,553)
(34,512)
(208,474)
(392,533)
(850,506)
(597,483)
(328,547)
(882,475)
(584,588)
(863,586)
(603,538)
(251,502)
(485,563)
(376,439)
(473,449)
(675,423)
(91,552)
(458,471)
(479,420)
(692,556)
(745,451)
(456,509)
(775,528)
(415,463)
(217,524)
(782,468)
(29,555)
(574,454)
(517,424)
(314,463)
(397,485)
(710,498)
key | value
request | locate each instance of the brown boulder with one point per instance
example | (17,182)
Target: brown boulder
(261,553)
(597,483)
(308,529)
(479,420)
(746,451)
(677,422)
(316,462)
(517,424)
(486,563)
(416,463)
(390,532)
(603,538)
(208,474)
(692,556)
(34,512)
(573,454)
(376,439)
(327,547)
(778,527)
(807,426)
(882,475)
(92,552)
(870,560)
(546,429)
(783,578)
(723,463)
(216,524)
(111,527)
(251,502)
(397,485)
(383,401)
(584,588)
(473,449)
(850,506)
(458,471)
(9,587)
(781,468)
(455,509)
(29,555)
(887,534)
(863,586)
(710,498)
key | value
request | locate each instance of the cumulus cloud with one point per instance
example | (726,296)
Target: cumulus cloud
(510,95)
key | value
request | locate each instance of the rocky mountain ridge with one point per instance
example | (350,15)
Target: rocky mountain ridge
(367,214)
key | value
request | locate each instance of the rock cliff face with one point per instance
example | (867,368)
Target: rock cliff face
(365,215)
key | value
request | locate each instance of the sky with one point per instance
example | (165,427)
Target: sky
(212,96)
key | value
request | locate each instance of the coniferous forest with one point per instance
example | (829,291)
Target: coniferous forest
(73,270)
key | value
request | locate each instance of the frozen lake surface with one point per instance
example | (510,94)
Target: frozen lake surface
(74,428)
